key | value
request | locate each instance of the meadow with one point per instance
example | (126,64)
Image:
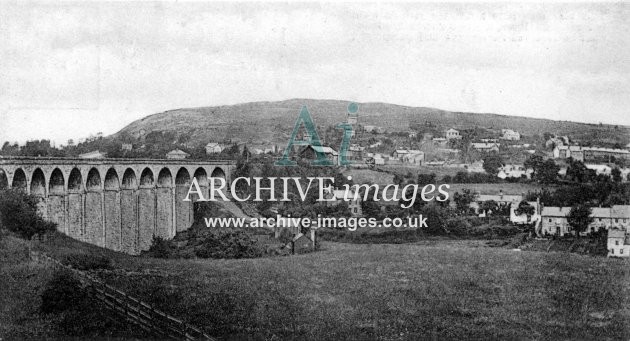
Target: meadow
(436,289)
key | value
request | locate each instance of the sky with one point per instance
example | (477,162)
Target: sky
(68,70)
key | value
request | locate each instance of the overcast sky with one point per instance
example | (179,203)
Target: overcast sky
(70,70)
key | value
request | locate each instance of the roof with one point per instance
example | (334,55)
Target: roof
(213,144)
(617,211)
(177,152)
(325,150)
(452,130)
(483,145)
(607,150)
(499,197)
(620,211)
(92,155)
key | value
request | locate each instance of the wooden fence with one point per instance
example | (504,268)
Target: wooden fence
(141,314)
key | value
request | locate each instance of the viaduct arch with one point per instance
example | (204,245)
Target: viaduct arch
(120,204)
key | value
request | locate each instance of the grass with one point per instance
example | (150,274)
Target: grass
(446,290)
(438,288)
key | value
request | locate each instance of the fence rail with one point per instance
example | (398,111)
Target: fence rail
(140,313)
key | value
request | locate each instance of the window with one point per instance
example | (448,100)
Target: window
(612,251)
(616,242)
(600,219)
(549,219)
(621,251)
(616,220)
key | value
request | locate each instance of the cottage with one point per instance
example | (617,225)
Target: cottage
(126,147)
(565,152)
(515,171)
(93,155)
(453,134)
(554,219)
(591,153)
(600,169)
(310,152)
(618,243)
(502,200)
(213,148)
(509,134)
(486,147)
(177,154)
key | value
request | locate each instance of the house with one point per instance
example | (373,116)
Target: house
(412,134)
(486,147)
(600,169)
(554,219)
(618,243)
(595,152)
(440,141)
(373,129)
(453,134)
(310,152)
(177,154)
(93,155)
(565,152)
(515,171)
(213,148)
(509,134)
(126,147)
(489,140)
(378,159)
(301,243)
(354,202)
(502,200)
(355,151)
(414,158)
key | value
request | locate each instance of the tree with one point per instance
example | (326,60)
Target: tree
(463,200)
(525,208)
(489,206)
(616,175)
(534,162)
(18,213)
(424,179)
(577,171)
(491,163)
(579,218)
(548,172)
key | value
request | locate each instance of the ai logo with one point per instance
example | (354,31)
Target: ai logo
(313,139)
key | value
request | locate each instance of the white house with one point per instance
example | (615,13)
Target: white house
(565,152)
(554,219)
(213,148)
(618,243)
(486,147)
(177,154)
(514,171)
(452,134)
(93,155)
(509,134)
(600,169)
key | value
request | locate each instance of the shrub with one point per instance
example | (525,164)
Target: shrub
(230,244)
(18,213)
(61,293)
(83,261)
(160,248)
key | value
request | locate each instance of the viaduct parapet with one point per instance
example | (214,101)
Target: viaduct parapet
(120,204)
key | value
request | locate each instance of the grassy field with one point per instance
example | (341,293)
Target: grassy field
(439,289)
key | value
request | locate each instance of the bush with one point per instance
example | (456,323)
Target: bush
(229,244)
(18,213)
(161,248)
(61,293)
(86,262)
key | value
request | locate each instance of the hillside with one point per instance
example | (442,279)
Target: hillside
(271,122)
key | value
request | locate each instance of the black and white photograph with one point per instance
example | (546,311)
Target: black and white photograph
(273,170)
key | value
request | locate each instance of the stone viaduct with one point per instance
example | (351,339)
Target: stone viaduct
(120,204)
